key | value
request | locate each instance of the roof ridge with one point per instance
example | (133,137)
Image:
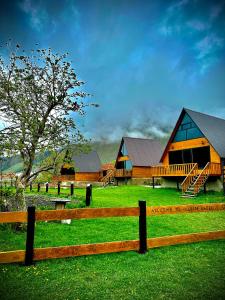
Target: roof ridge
(204,114)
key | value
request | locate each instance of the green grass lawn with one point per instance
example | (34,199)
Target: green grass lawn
(192,271)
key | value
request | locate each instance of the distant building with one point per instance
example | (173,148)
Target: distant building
(135,158)
(84,167)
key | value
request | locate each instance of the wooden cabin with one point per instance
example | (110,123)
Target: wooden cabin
(134,158)
(194,154)
(85,167)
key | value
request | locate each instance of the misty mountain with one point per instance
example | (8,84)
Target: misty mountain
(107,152)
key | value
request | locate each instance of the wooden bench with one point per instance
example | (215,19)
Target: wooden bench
(60,203)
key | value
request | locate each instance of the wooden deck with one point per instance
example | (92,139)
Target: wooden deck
(183,170)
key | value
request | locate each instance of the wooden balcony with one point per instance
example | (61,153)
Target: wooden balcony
(183,170)
(122,173)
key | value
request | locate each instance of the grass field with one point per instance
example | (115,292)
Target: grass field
(194,271)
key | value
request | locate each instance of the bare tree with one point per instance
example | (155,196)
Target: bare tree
(38,93)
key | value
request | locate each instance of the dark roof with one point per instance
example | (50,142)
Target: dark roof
(213,129)
(143,152)
(87,162)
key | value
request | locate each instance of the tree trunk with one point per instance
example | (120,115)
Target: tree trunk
(18,203)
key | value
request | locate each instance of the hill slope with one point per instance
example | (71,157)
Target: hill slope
(106,151)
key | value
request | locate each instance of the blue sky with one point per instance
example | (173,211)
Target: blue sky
(141,60)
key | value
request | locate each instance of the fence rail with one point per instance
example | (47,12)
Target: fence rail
(142,244)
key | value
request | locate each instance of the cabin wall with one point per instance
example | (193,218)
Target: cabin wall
(63,178)
(195,143)
(141,172)
(87,176)
(79,176)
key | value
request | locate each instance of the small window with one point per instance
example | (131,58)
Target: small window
(193,133)
(180,136)
(186,126)
(187,130)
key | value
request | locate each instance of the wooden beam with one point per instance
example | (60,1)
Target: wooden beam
(86,249)
(12,256)
(49,215)
(12,217)
(185,238)
(110,247)
(123,158)
(179,209)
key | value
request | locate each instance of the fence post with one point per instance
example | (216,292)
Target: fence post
(88,194)
(58,188)
(71,189)
(153,182)
(142,228)
(30,186)
(39,187)
(30,236)
(205,188)
(46,187)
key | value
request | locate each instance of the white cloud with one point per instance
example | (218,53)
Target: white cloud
(36,14)
(198,25)
(209,44)
(176,6)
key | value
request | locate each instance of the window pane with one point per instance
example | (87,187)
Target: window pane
(128,165)
(175,157)
(186,126)
(193,133)
(180,136)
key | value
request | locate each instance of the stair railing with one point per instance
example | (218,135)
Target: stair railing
(189,178)
(202,177)
(107,177)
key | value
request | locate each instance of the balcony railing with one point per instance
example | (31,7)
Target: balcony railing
(122,173)
(183,170)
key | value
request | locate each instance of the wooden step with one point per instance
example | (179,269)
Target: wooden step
(188,196)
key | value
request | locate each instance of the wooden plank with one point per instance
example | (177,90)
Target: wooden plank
(188,144)
(49,215)
(86,249)
(88,176)
(12,217)
(189,208)
(12,256)
(123,158)
(141,172)
(185,238)
(109,247)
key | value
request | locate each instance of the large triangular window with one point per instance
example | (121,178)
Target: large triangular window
(187,130)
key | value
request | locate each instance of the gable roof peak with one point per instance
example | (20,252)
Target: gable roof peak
(213,128)
(142,151)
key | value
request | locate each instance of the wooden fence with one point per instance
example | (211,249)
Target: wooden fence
(31,216)
(45,187)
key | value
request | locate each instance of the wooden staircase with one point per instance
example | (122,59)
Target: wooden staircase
(108,178)
(194,181)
